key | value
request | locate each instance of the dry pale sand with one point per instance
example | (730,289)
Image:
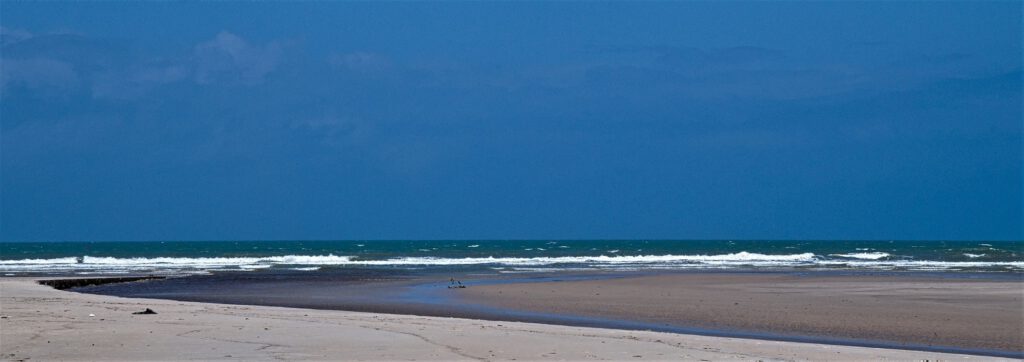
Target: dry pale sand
(941,311)
(41,324)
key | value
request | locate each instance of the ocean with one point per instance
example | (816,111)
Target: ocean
(503,256)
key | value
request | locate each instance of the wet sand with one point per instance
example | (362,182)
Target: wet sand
(922,310)
(41,323)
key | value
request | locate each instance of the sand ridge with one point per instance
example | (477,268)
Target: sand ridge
(941,311)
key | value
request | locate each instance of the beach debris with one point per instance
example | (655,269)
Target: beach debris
(147,311)
(92,315)
(455,284)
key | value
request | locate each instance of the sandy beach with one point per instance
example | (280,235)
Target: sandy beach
(975,313)
(927,310)
(41,323)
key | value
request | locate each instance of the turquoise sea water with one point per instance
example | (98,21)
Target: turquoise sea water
(505,256)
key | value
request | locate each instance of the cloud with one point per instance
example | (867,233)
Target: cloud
(687,57)
(228,58)
(11,36)
(37,74)
(52,63)
(731,56)
(62,63)
(362,62)
(750,72)
(337,131)
(401,154)
(751,138)
(134,82)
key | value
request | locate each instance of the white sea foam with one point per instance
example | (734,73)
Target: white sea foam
(972,256)
(737,258)
(262,262)
(867,256)
(474,246)
(70,260)
(923,264)
(111,263)
(91,264)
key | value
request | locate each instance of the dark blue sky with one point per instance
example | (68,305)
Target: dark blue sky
(692,120)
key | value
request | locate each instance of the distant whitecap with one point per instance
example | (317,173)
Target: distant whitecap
(867,256)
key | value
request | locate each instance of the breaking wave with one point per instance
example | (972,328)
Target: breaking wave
(869,260)
(866,256)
